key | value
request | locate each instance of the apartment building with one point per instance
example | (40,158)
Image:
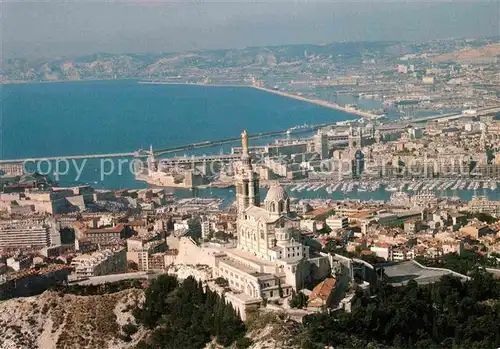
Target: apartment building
(337,222)
(29,233)
(105,262)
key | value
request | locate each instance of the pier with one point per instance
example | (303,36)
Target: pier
(143,154)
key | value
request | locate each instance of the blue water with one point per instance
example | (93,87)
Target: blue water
(57,119)
(123,116)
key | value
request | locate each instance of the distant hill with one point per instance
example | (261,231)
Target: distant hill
(235,62)
(473,55)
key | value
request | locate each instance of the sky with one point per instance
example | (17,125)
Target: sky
(48,28)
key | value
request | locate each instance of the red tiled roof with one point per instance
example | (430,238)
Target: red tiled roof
(321,292)
(116,229)
(319,211)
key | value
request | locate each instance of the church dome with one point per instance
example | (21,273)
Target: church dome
(276,193)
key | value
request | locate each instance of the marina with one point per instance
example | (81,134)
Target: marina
(383,189)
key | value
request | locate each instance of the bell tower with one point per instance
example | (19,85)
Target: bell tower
(151,161)
(246,180)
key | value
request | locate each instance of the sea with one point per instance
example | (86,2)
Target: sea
(96,117)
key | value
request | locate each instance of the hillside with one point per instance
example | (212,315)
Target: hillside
(480,54)
(56,320)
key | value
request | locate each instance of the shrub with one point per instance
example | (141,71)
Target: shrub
(129,329)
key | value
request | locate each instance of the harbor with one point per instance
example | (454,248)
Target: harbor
(394,186)
(365,190)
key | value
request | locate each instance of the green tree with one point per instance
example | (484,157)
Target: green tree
(299,300)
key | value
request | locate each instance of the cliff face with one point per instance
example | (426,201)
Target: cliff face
(272,330)
(55,320)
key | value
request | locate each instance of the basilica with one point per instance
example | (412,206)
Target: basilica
(269,260)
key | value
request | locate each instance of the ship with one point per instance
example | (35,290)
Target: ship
(392,188)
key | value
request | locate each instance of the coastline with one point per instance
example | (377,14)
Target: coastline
(143,82)
(37,82)
(319,102)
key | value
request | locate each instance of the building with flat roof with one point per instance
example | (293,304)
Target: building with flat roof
(29,233)
(144,249)
(402,272)
(105,262)
(19,262)
(337,222)
(483,205)
(101,236)
(476,230)
(387,219)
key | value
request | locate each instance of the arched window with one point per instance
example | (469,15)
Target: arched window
(273,207)
(280,206)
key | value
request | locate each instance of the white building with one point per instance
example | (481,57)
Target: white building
(182,225)
(383,251)
(205,227)
(103,262)
(19,262)
(337,222)
(269,260)
(415,133)
(29,233)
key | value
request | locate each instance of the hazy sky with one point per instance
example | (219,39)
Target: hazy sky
(57,27)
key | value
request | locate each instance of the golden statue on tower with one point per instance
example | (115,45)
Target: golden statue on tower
(244,141)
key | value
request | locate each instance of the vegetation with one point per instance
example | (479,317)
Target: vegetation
(220,236)
(490,155)
(466,262)
(299,300)
(447,314)
(194,229)
(132,266)
(93,290)
(333,247)
(483,217)
(129,329)
(185,315)
(221,282)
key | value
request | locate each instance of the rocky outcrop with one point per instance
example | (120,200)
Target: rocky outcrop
(55,320)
